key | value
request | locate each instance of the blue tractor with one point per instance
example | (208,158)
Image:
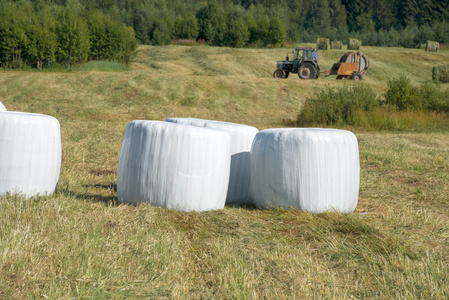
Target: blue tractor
(304,63)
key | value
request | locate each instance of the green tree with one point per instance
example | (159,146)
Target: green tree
(73,38)
(42,45)
(276,32)
(212,23)
(238,34)
(338,14)
(110,39)
(186,28)
(13,38)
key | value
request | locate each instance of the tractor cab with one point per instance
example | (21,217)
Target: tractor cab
(306,54)
(304,63)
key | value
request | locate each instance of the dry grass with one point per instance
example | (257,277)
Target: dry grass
(80,243)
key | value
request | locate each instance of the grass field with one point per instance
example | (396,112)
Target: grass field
(79,243)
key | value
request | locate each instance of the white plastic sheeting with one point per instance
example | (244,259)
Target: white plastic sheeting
(2,107)
(174,166)
(30,153)
(242,137)
(312,169)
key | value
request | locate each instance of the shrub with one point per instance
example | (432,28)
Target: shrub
(427,97)
(433,98)
(401,94)
(337,106)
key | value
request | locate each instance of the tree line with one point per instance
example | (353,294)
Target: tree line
(238,23)
(43,34)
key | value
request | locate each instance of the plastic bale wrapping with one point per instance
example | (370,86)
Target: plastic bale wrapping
(2,107)
(432,46)
(174,166)
(323,44)
(242,137)
(312,169)
(354,44)
(30,154)
(441,73)
(336,45)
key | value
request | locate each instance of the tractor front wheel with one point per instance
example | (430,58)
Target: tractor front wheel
(279,74)
(307,71)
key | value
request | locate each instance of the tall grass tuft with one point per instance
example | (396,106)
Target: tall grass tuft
(102,66)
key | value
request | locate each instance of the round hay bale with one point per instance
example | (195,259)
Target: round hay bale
(323,44)
(432,46)
(30,153)
(242,137)
(354,44)
(336,45)
(441,73)
(2,107)
(174,166)
(311,169)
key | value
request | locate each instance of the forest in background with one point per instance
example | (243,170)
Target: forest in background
(35,33)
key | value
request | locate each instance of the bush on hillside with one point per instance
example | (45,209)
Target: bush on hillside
(402,95)
(337,106)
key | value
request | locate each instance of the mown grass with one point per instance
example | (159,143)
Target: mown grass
(80,243)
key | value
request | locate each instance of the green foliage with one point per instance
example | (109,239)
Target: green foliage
(186,28)
(402,95)
(276,33)
(73,38)
(13,38)
(46,35)
(110,39)
(238,34)
(337,106)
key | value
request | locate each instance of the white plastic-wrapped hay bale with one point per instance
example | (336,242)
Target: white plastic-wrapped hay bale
(30,153)
(312,169)
(2,107)
(173,166)
(242,137)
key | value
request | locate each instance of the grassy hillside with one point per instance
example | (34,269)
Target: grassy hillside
(81,243)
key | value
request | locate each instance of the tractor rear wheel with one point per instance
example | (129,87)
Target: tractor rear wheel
(307,71)
(357,76)
(279,74)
